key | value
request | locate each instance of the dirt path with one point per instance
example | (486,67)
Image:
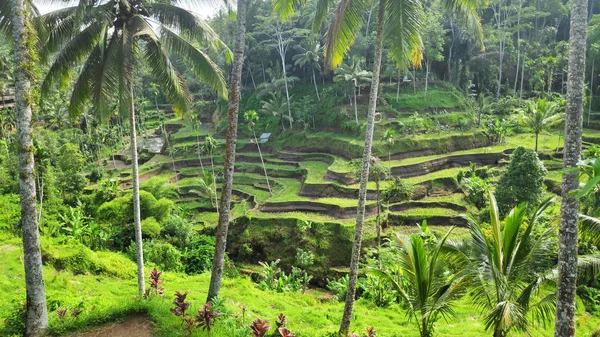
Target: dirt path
(138,326)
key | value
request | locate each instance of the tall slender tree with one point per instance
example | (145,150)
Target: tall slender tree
(110,38)
(216,276)
(24,41)
(567,254)
(400,23)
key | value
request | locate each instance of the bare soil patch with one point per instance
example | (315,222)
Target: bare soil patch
(138,326)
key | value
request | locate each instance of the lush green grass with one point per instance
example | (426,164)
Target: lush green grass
(106,299)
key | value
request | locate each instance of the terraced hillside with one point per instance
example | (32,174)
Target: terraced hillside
(310,179)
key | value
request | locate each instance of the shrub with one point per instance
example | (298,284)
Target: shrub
(339,287)
(162,254)
(162,208)
(178,231)
(14,324)
(150,227)
(523,181)
(199,255)
(11,212)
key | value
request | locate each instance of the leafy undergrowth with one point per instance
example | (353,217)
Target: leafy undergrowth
(104,299)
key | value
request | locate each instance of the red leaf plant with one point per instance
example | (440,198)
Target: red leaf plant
(206,318)
(285,332)
(259,327)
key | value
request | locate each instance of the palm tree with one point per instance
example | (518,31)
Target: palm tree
(480,105)
(354,74)
(275,105)
(508,268)
(567,254)
(110,37)
(14,17)
(426,289)
(210,145)
(207,188)
(172,152)
(251,118)
(388,138)
(230,141)
(540,116)
(310,57)
(196,126)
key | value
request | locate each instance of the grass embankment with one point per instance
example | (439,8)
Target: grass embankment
(105,299)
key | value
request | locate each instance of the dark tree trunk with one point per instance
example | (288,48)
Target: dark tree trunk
(567,254)
(230,142)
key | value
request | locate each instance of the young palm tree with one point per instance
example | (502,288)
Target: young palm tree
(230,141)
(309,57)
(251,118)
(480,105)
(276,105)
(540,116)
(110,38)
(354,74)
(15,18)
(567,254)
(388,138)
(509,267)
(427,290)
(210,145)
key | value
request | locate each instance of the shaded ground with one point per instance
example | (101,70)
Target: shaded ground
(138,326)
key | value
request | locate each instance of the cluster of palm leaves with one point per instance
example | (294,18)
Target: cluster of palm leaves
(541,115)
(506,268)
(273,96)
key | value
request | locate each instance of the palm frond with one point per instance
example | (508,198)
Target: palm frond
(167,76)
(285,8)
(200,63)
(185,22)
(590,229)
(82,87)
(73,53)
(321,10)
(344,27)
(106,79)
(467,11)
(403,26)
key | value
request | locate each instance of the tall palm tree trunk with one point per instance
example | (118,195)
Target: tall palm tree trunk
(230,142)
(537,136)
(137,221)
(355,105)
(364,177)
(315,82)
(378,223)
(567,254)
(263,164)
(37,313)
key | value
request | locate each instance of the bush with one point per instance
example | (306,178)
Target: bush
(162,208)
(198,257)
(523,181)
(11,212)
(339,287)
(150,227)
(14,324)
(164,255)
(178,231)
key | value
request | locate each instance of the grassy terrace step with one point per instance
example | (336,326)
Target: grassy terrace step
(329,206)
(352,147)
